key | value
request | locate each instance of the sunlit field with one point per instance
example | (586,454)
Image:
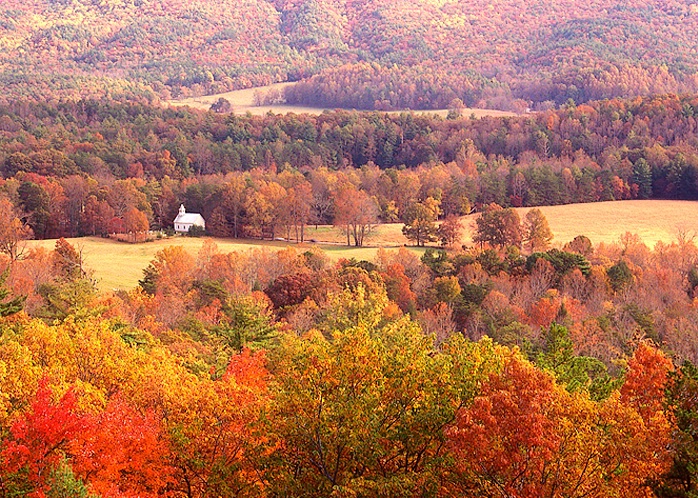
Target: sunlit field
(119,265)
(243,102)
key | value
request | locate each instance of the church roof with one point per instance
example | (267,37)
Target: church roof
(193,218)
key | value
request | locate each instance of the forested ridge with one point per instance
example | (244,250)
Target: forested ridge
(506,54)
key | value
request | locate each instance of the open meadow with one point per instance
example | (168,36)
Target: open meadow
(652,220)
(119,265)
(243,101)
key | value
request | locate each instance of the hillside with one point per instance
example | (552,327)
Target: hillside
(417,54)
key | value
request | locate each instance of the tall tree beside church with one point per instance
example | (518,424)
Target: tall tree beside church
(136,224)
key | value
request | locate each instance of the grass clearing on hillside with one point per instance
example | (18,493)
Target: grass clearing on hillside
(652,220)
(119,265)
(243,102)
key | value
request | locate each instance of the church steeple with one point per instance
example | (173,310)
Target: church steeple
(181,209)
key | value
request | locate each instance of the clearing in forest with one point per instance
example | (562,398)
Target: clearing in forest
(119,265)
(243,101)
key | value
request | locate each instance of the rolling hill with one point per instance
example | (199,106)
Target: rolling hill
(423,52)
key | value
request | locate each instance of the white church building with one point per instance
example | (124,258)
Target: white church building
(184,221)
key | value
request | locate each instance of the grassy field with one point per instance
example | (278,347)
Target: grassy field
(652,220)
(243,102)
(119,265)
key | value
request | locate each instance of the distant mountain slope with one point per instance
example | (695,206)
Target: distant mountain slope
(535,50)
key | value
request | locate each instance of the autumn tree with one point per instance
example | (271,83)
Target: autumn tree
(67,261)
(537,234)
(449,231)
(169,273)
(356,213)
(136,224)
(13,231)
(123,450)
(221,106)
(507,455)
(96,216)
(525,435)
(11,306)
(327,395)
(446,289)
(498,226)
(420,221)
(397,286)
(266,212)
(298,202)
(581,245)
(77,190)
(216,447)
(40,439)
(232,209)
(291,289)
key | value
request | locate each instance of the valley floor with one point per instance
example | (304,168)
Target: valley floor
(119,265)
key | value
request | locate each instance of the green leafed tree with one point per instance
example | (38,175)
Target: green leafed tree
(642,177)
(619,276)
(682,401)
(247,322)
(420,221)
(574,372)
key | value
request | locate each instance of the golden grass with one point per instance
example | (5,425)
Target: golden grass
(243,102)
(384,235)
(119,265)
(652,220)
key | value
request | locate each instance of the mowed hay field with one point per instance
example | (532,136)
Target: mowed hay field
(243,102)
(119,265)
(652,220)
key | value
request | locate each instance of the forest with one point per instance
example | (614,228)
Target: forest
(511,366)
(514,365)
(99,168)
(504,54)
(529,372)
